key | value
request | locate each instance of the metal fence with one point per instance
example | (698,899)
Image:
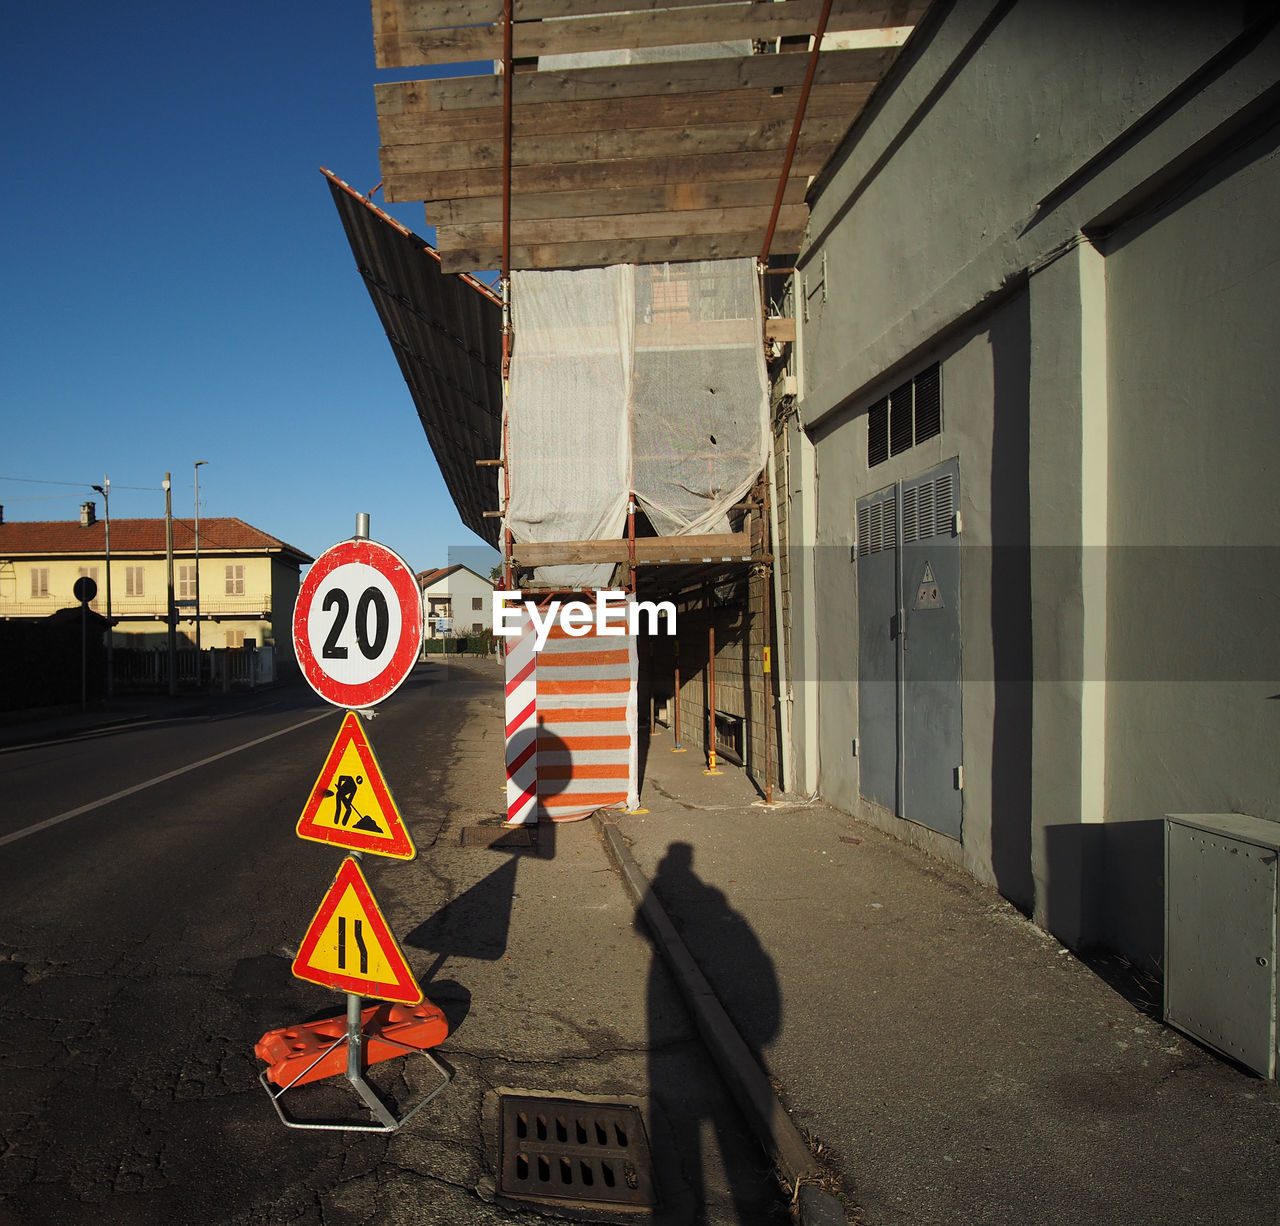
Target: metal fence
(217,668)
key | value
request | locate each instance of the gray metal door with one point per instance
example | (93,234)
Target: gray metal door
(909,719)
(877,653)
(930,570)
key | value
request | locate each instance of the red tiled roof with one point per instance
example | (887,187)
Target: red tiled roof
(428,577)
(50,537)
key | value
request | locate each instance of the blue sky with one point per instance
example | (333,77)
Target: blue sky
(177,284)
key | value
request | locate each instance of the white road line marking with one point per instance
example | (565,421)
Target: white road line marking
(139,787)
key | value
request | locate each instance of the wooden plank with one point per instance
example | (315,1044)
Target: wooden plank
(624,31)
(767,72)
(663,111)
(588,176)
(412,15)
(435,14)
(623,251)
(650,549)
(604,146)
(626,225)
(386,20)
(467,44)
(535,10)
(606,203)
(780,328)
(665,334)
(697,334)
(569,553)
(672,334)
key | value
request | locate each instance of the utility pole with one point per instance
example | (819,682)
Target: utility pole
(199,656)
(173,624)
(105,490)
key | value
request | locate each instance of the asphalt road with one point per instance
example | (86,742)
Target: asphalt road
(147,942)
(153,894)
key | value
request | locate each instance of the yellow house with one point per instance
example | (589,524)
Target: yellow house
(247,584)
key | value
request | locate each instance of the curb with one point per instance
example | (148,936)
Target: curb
(743,1075)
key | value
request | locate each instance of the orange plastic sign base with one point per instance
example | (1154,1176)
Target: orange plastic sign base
(291,1049)
(349,946)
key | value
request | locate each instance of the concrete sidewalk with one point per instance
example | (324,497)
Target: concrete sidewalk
(952,1062)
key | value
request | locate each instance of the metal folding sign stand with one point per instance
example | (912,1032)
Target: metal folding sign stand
(357,1044)
(354,1039)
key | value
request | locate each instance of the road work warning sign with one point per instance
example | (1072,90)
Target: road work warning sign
(350,805)
(349,946)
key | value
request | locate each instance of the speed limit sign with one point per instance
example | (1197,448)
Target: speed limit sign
(357,625)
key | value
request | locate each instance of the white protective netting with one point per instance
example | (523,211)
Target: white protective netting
(648,378)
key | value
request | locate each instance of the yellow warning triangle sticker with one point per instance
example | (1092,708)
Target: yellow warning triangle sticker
(349,946)
(350,805)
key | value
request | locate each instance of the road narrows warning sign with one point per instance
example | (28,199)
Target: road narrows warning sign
(349,947)
(350,805)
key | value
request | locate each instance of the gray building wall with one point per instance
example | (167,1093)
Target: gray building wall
(1194,515)
(1070,207)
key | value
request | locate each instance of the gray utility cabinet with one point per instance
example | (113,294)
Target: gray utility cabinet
(1220,933)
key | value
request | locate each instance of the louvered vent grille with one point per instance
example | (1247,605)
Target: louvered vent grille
(900,419)
(908,415)
(928,404)
(927,509)
(944,502)
(911,514)
(877,528)
(878,432)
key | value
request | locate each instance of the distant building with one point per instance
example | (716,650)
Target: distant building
(248,579)
(455,600)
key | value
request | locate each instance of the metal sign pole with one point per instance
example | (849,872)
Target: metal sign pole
(84,590)
(354,1069)
(355,1042)
(84,655)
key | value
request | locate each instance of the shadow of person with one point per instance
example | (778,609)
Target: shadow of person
(726,950)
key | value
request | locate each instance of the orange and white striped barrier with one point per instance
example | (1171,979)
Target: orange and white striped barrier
(521,726)
(586,689)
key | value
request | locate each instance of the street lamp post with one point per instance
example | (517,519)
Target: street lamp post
(199,657)
(173,610)
(105,490)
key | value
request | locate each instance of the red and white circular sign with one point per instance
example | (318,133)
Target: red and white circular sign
(357,625)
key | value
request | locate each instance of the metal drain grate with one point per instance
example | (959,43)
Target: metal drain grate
(569,1151)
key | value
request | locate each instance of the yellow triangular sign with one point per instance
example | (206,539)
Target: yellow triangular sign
(349,946)
(928,594)
(350,805)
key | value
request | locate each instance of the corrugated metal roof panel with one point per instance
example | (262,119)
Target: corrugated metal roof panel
(446,333)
